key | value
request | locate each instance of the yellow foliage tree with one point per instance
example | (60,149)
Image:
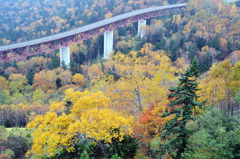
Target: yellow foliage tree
(137,79)
(221,85)
(108,15)
(3,83)
(86,115)
(78,79)
(65,77)
(233,10)
(18,81)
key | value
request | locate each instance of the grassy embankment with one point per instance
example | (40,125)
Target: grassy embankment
(15,131)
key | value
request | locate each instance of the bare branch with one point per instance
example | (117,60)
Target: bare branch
(115,72)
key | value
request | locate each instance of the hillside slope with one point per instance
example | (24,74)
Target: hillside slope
(24,20)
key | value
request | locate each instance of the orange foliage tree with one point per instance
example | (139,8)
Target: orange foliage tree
(149,126)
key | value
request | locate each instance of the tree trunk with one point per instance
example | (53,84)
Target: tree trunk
(229,105)
(139,100)
(103,148)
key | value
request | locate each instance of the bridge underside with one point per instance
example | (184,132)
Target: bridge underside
(35,49)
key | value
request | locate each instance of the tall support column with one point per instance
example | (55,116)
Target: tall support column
(65,56)
(108,43)
(141,31)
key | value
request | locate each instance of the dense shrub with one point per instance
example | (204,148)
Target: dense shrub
(86,147)
(9,152)
(126,148)
(3,145)
(19,145)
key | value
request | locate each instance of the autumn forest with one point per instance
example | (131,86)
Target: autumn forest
(172,94)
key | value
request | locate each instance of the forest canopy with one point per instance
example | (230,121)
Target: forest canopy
(173,93)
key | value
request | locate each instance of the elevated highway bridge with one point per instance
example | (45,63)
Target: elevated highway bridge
(63,40)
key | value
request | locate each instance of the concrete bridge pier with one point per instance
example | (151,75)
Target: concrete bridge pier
(141,31)
(108,44)
(65,56)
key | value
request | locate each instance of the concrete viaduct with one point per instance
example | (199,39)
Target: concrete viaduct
(63,40)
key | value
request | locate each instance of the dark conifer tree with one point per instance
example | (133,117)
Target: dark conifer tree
(193,51)
(206,63)
(75,68)
(183,99)
(103,67)
(15,64)
(237,3)
(229,47)
(64,66)
(30,76)
(195,68)
(201,42)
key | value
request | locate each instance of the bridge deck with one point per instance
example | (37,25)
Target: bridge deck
(88,27)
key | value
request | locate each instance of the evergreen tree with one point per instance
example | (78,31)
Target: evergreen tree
(193,51)
(174,28)
(229,47)
(126,148)
(30,76)
(15,64)
(192,12)
(237,3)
(54,63)
(5,65)
(192,32)
(200,42)
(103,67)
(75,68)
(64,66)
(206,63)
(215,43)
(162,43)
(195,68)
(183,100)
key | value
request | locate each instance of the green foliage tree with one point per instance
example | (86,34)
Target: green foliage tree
(126,148)
(237,98)
(183,100)
(84,156)
(84,149)
(116,157)
(216,136)
(4,96)
(39,96)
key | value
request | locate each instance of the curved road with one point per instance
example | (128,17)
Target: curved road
(87,27)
